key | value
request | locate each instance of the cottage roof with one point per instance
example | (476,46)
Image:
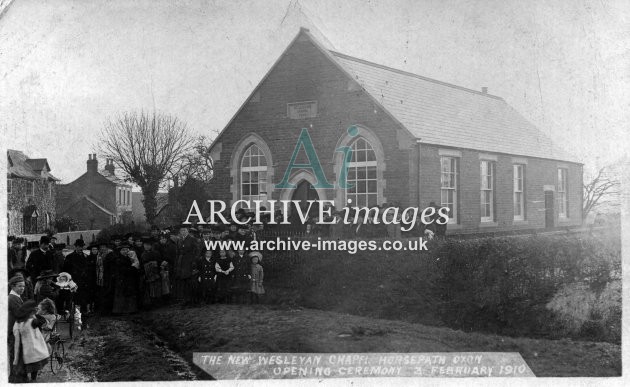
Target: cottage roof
(98,205)
(19,165)
(440,113)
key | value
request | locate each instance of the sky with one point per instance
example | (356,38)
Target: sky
(67,66)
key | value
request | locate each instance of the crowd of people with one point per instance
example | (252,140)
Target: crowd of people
(121,275)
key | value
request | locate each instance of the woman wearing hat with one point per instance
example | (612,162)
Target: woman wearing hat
(44,288)
(30,350)
(125,282)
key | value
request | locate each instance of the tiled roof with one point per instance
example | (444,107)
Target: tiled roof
(21,166)
(443,114)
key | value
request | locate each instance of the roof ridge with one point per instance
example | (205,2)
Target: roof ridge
(402,72)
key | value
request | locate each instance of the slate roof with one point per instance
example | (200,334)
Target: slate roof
(444,114)
(19,165)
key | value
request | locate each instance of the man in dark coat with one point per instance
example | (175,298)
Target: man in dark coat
(76,264)
(40,259)
(187,255)
(167,249)
(16,284)
(105,268)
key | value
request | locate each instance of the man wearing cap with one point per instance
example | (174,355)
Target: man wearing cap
(187,255)
(40,259)
(20,272)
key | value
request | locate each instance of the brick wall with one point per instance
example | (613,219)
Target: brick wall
(305,74)
(18,201)
(538,174)
(89,216)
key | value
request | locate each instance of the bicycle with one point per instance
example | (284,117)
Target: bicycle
(58,350)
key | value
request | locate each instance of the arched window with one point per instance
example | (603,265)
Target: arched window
(362,175)
(254,174)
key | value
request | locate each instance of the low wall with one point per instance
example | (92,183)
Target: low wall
(67,237)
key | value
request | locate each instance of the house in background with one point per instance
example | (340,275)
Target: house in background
(31,194)
(96,199)
(415,140)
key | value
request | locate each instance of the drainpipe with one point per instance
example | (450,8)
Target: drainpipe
(419,179)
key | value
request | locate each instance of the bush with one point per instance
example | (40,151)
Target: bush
(504,285)
(499,285)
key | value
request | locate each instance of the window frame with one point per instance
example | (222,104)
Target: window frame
(30,186)
(563,193)
(261,183)
(491,168)
(454,172)
(516,191)
(9,186)
(366,166)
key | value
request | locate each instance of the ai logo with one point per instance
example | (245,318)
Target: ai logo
(314,165)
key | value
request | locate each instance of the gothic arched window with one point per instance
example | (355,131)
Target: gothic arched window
(253,174)
(362,175)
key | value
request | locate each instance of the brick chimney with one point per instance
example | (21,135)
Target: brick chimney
(92,163)
(484,90)
(109,166)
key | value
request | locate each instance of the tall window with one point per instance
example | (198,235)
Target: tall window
(9,186)
(254,174)
(362,175)
(487,191)
(128,196)
(449,186)
(562,193)
(50,189)
(30,188)
(519,194)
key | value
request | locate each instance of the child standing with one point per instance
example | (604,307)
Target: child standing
(257,276)
(67,289)
(47,310)
(31,351)
(166,283)
(206,277)
(224,268)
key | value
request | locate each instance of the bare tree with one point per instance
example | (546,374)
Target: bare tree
(147,147)
(599,190)
(196,164)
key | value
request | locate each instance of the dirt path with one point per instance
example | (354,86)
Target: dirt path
(158,345)
(119,349)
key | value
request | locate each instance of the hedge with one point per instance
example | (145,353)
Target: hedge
(501,285)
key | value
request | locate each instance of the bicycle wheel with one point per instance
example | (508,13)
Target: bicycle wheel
(58,357)
(71,320)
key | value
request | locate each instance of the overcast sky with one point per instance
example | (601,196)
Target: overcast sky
(65,66)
